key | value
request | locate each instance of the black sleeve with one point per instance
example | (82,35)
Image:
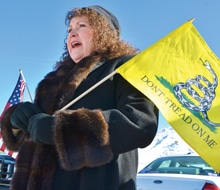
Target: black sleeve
(134,123)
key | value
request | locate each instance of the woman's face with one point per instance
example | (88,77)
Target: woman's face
(80,38)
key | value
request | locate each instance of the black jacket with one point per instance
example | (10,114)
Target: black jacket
(96,139)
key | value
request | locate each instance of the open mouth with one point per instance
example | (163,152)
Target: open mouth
(75,44)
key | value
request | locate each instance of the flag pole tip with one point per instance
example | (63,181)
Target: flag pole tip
(191,20)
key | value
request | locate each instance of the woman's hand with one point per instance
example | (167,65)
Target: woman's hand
(41,128)
(21,115)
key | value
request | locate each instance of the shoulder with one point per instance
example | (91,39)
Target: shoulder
(117,62)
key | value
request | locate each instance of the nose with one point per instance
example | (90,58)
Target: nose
(73,33)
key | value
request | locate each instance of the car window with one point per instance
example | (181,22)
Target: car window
(165,163)
(180,165)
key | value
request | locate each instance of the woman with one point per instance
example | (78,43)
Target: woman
(93,144)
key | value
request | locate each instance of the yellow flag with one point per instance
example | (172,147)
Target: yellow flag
(179,74)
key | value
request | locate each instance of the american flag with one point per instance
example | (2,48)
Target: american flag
(16,97)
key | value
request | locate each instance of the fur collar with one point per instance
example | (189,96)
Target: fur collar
(53,92)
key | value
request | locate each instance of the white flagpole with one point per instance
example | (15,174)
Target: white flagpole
(89,90)
(29,94)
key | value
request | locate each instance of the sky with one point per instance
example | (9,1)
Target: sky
(32,33)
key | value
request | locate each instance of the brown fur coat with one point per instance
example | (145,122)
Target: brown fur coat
(95,140)
(35,164)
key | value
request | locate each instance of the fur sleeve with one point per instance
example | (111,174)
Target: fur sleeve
(12,143)
(81,138)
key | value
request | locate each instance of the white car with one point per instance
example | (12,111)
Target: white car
(178,172)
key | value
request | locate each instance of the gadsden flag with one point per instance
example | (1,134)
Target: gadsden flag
(179,73)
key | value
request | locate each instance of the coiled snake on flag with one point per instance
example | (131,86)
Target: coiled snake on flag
(208,92)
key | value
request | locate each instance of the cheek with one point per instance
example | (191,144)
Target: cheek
(90,46)
(88,35)
(91,41)
(67,44)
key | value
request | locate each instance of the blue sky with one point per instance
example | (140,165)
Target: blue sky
(32,32)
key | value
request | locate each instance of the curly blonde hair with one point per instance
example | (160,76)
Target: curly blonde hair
(106,40)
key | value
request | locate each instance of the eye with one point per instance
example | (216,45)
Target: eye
(82,25)
(69,30)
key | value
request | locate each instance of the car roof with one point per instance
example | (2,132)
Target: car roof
(180,155)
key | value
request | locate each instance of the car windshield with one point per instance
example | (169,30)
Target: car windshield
(180,164)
